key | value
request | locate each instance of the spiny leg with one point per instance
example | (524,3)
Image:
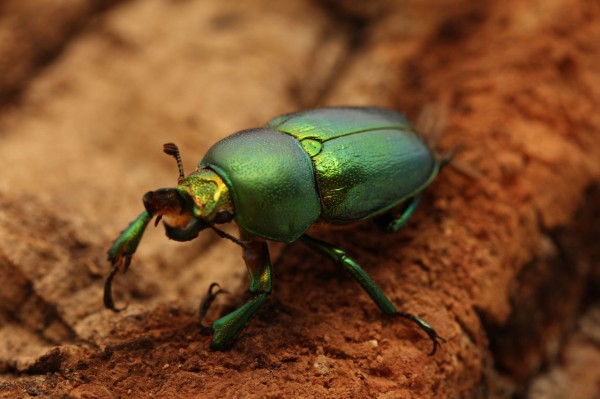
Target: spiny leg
(227,328)
(370,287)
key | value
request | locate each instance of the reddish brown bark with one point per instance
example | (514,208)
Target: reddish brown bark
(506,267)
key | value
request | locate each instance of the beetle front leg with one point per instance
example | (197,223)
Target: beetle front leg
(227,328)
(370,287)
(122,250)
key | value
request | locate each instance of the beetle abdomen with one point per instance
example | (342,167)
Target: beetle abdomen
(272,182)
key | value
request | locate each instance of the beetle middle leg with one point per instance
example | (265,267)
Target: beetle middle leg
(389,224)
(370,287)
(227,328)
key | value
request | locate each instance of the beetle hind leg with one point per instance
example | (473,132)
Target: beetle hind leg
(370,287)
(389,224)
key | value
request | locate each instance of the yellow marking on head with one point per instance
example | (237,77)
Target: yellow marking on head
(220,188)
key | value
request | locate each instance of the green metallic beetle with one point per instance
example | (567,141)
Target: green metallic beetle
(334,165)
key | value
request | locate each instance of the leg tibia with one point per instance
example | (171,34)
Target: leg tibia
(227,328)
(369,286)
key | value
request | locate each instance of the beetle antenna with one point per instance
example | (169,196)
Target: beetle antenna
(171,149)
(222,234)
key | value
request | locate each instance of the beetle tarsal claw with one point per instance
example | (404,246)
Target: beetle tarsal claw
(430,331)
(126,260)
(208,299)
(108,299)
(436,344)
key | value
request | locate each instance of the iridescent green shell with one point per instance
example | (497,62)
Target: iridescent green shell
(271,180)
(335,164)
(366,160)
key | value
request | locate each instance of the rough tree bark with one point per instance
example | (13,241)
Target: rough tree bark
(507,267)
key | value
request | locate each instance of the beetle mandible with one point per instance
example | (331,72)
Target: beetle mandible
(335,165)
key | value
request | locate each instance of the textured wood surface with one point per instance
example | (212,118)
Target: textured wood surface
(506,267)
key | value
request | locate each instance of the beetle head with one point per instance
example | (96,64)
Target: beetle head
(166,202)
(176,212)
(199,201)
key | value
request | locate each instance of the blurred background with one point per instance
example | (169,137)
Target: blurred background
(507,267)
